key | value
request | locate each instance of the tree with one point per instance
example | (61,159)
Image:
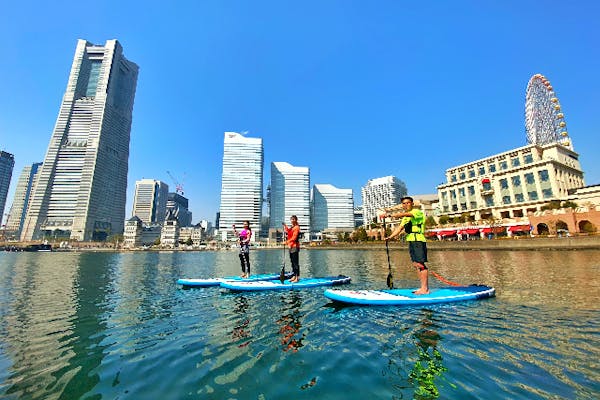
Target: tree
(430,221)
(444,219)
(189,242)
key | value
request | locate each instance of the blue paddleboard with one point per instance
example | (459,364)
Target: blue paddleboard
(191,282)
(406,297)
(286,285)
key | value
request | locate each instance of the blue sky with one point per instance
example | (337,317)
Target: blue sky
(354,90)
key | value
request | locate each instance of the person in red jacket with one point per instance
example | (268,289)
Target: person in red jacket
(293,242)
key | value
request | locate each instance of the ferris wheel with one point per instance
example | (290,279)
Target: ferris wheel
(544,119)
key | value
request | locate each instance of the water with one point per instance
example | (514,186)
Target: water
(116,326)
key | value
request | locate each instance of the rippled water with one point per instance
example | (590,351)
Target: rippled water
(108,326)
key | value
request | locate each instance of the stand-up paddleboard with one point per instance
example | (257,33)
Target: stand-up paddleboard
(286,285)
(406,297)
(217,281)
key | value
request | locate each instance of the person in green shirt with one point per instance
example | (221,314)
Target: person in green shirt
(413,224)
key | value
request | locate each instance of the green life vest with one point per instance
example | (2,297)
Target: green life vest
(414,226)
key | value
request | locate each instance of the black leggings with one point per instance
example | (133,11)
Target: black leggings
(245,261)
(294,257)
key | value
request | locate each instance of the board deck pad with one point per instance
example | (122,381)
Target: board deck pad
(407,297)
(205,282)
(286,285)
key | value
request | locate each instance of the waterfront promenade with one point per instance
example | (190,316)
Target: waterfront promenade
(591,242)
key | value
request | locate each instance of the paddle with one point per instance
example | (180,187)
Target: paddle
(282,274)
(390,278)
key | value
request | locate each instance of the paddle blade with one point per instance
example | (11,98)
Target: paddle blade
(282,274)
(390,281)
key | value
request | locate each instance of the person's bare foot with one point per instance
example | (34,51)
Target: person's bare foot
(421,291)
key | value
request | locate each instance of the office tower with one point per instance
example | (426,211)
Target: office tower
(332,208)
(241,184)
(25,185)
(150,201)
(7,163)
(177,207)
(380,193)
(81,190)
(290,195)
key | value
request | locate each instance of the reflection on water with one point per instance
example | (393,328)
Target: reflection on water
(290,322)
(104,325)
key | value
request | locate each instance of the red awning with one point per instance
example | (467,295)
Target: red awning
(519,228)
(473,231)
(430,233)
(497,229)
(485,180)
(447,233)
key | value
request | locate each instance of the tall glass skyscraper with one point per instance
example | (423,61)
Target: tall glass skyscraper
(290,195)
(331,208)
(18,210)
(81,190)
(241,183)
(381,193)
(7,163)
(150,201)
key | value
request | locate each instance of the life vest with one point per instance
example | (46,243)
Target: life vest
(414,226)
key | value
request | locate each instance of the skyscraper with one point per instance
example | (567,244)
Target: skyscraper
(241,183)
(18,210)
(380,193)
(150,201)
(178,207)
(290,195)
(331,208)
(81,190)
(7,163)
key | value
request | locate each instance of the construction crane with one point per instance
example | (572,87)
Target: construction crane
(178,186)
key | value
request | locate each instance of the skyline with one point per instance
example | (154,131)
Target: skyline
(339,88)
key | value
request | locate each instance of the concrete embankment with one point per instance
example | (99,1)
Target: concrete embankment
(536,243)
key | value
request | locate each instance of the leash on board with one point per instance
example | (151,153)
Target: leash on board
(446,281)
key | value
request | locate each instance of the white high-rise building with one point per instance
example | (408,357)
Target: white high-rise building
(150,201)
(331,208)
(290,195)
(381,193)
(241,183)
(18,210)
(82,187)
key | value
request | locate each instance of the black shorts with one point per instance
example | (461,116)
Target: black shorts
(418,251)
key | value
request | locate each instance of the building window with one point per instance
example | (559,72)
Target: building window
(533,195)
(505,214)
(462,176)
(453,178)
(492,167)
(487,186)
(528,158)
(516,181)
(452,194)
(519,197)
(503,184)
(454,207)
(473,204)
(489,201)
(506,200)
(481,170)
(471,173)
(544,177)
(547,193)
(471,190)
(529,179)
(515,162)
(503,165)
(446,208)
(461,192)
(517,213)
(463,206)
(444,195)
